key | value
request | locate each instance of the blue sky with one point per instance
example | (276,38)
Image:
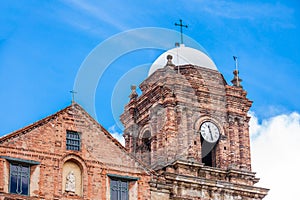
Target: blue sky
(44,43)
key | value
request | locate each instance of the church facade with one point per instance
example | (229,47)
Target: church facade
(186,137)
(68,155)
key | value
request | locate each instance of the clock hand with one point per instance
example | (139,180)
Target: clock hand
(211,137)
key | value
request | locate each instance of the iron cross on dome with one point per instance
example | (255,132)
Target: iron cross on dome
(181,25)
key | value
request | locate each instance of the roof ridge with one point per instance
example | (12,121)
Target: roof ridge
(77,106)
(34,124)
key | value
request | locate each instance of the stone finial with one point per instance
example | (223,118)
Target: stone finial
(169,62)
(236,81)
(133,94)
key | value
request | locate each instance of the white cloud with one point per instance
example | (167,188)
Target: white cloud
(119,136)
(275,147)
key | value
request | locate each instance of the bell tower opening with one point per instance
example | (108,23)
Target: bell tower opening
(209,136)
(208,153)
(209,159)
(145,147)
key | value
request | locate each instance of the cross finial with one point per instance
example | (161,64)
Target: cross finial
(181,25)
(73,95)
(235,58)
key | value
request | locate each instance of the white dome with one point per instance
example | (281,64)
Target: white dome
(183,56)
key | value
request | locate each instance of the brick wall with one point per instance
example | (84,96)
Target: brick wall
(45,142)
(173,105)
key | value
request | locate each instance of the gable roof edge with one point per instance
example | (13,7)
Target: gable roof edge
(45,120)
(33,125)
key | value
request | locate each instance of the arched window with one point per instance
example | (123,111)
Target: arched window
(210,134)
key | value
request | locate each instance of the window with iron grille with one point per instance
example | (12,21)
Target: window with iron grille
(119,189)
(73,141)
(19,178)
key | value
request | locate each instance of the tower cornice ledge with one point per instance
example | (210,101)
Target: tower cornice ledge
(195,175)
(242,189)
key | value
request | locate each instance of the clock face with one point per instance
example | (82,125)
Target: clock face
(210,132)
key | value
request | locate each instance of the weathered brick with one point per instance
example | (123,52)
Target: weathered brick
(172,107)
(45,142)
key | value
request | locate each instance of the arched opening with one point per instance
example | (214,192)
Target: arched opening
(208,160)
(145,147)
(209,137)
(208,153)
(72,178)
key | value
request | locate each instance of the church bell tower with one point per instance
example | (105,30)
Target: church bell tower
(188,122)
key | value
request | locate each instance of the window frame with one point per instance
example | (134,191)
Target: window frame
(128,179)
(121,184)
(18,164)
(29,163)
(73,146)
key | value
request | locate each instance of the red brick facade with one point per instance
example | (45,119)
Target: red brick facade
(45,143)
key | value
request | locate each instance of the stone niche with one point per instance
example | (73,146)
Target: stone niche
(72,178)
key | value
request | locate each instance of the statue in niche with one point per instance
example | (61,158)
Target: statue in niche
(70,182)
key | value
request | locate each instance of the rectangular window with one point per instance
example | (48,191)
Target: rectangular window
(19,179)
(73,140)
(119,189)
